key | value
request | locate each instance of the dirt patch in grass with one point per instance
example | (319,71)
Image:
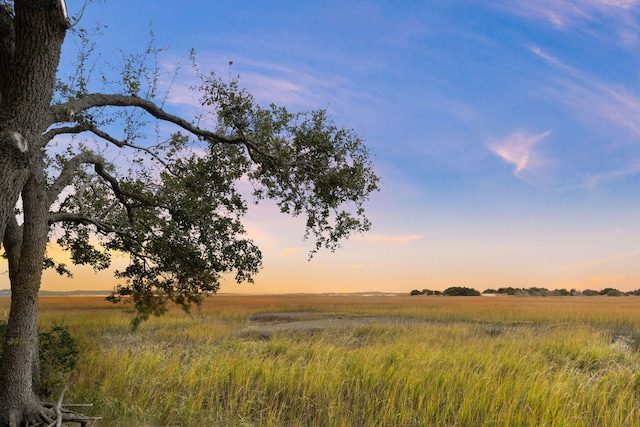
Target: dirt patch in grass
(281,316)
(266,324)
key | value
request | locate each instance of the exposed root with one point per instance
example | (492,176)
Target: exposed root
(50,415)
(64,415)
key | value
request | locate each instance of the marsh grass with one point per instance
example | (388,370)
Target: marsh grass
(419,361)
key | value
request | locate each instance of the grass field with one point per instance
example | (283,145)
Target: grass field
(359,361)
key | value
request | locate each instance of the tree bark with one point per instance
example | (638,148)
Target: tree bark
(30,42)
(17,394)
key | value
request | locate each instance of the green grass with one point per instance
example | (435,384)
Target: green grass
(427,361)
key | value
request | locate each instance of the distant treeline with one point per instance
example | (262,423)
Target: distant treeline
(7,292)
(538,292)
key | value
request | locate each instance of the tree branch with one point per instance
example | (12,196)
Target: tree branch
(87,127)
(120,193)
(67,173)
(79,219)
(79,128)
(65,112)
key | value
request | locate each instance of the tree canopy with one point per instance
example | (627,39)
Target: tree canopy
(175,208)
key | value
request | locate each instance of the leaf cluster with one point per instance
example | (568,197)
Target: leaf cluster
(303,161)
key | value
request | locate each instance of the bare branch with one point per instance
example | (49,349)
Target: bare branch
(66,112)
(52,133)
(120,193)
(79,128)
(67,173)
(79,219)
(87,127)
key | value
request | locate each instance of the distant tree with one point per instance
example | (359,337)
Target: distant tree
(509,290)
(590,293)
(611,292)
(490,291)
(170,202)
(424,292)
(562,292)
(535,291)
(461,291)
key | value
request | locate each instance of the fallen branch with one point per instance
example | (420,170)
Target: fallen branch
(58,409)
(64,415)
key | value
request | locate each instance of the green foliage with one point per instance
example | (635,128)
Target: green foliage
(176,212)
(461,291)
(58,352)
(425,292)
(611,292)
(303,161)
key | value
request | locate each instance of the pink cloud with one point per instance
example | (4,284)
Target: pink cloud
(517,149)
(381,239)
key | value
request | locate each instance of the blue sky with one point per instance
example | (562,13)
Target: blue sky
(506,133)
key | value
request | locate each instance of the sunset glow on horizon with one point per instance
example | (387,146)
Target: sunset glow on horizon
(506,133)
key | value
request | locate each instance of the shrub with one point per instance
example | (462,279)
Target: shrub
(58,352)
(611,292)
(461,291)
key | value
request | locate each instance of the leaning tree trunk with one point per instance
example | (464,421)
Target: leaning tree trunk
(31,38)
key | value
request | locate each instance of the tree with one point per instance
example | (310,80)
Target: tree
(461,291)
(174,207)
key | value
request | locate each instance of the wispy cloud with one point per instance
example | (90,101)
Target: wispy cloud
(603,280)
(592,97)
(297,86)
(604,260)
(602,106)
(291,251)
(564,13)
(572,14)
(594,181)
(382,239)
(553,60)
(517,149)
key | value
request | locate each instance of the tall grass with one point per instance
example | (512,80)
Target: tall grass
(422,361)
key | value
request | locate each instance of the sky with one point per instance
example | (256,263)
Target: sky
(506,133)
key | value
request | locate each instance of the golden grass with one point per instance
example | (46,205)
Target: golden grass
(416,361)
